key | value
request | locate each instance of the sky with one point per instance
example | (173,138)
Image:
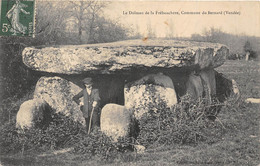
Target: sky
(246,19)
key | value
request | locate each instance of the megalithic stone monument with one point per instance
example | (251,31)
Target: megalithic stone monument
(119,65)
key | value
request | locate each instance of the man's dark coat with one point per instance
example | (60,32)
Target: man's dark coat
(88,100)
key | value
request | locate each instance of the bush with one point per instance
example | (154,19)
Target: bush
(9,141)
(62,132)
(187,123)
(58,134)
(98,144)
(10,106)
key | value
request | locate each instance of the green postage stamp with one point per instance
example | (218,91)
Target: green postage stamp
(17,18)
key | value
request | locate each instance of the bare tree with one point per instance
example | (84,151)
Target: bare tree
(85,14)
(50,27)
(80,10)
(108,31)
(95,9)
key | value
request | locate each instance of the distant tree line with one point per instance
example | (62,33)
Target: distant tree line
(239,45)
(76,22)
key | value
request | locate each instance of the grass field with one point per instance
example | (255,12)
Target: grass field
(238,145)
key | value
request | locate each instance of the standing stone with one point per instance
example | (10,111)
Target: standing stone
(58,93)
(149,93)
(156,79)
(194,86)
(31,112)
(225,87)
(208,78)
(204,57)
(202,84)
(115,121)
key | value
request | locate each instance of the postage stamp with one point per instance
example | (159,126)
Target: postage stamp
(17,18)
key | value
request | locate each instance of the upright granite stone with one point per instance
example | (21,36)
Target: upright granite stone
(148,93)
(225,87)
(107,58)
(202,84)
(208,77)
(32,112)
(115,121)
(194,86)
(155,79)
(58,93)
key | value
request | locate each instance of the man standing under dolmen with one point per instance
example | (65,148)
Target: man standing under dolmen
(90,104)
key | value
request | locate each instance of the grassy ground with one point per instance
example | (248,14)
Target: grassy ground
(238,145)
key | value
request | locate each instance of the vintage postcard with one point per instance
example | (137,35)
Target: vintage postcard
(129,82)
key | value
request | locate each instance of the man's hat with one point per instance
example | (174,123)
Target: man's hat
(88,81)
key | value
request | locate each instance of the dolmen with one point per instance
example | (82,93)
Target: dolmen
(132,76)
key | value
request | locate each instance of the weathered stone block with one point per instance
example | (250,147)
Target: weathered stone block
(209,83)
(202,84)
(32,112)
(194,86)
(115,121)
(225,87)
(124,56)
(148,93)
(58,93)
(208,77)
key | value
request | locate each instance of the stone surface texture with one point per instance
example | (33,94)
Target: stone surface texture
(58,93)
(148,93)
(124,55)
(115,121)
(30,112)
(202,84)
(194,86)
(225,87)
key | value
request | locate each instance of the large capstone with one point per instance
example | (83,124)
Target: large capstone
(148,93)
(58,93)
(124,56)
